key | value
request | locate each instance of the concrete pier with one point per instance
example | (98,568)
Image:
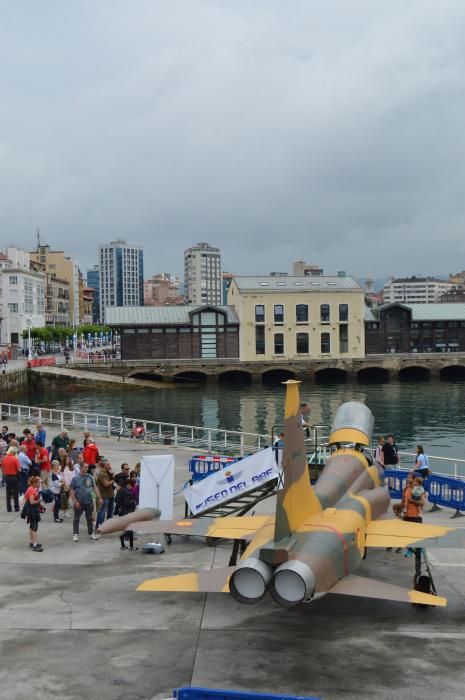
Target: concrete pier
(72,625)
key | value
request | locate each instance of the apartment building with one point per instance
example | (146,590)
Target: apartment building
(293,318)
(23,296)
(203,283)
(121,275)
(415,290)
(162,290)
(62,267)
(93,282)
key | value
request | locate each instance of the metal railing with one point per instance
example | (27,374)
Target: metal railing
(197,437)
(455,465)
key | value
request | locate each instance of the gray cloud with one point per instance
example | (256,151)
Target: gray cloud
(283,130)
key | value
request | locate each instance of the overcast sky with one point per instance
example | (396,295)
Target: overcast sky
(329,131)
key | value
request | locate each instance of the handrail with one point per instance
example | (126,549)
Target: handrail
(177,434)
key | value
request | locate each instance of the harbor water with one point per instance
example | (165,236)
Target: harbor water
(431,413)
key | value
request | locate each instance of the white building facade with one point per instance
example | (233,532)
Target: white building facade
(121,275)
(415,290)
(23,297)
(203,282)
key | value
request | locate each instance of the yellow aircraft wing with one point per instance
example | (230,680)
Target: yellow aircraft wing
(398,533)
(204,581)
(369,588)
(229,528)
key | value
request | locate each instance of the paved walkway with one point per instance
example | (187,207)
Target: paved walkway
(72,625)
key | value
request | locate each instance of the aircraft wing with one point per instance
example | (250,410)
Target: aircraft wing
(204,581)
(368,588)
(398,533)
(229,528)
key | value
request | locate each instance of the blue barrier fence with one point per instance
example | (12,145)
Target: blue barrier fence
(201,466)
(209,694)
(442,490)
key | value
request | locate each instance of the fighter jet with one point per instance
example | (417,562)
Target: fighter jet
(319,535)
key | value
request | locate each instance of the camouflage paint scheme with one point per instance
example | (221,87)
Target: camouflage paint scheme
(319,532)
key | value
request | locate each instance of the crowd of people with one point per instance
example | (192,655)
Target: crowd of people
(410,507)
(75,479)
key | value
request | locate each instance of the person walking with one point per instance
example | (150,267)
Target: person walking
(56,486)
(29,443)
(4,363)
(81,489)
(124,504)
(106,485)
(11,467)
(3,451)
(42,463)
(26,467)
(31,512)
(68,472)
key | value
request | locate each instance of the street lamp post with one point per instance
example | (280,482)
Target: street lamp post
(29,348)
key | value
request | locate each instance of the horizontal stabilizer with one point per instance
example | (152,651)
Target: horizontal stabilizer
(204,581)
(398,533)
(229,528)
(368,588)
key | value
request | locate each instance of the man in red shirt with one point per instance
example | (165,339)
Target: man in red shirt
(11,468)
(42,459)
(30,444)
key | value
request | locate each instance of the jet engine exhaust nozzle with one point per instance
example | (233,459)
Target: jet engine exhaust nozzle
(249,582)
(292,583)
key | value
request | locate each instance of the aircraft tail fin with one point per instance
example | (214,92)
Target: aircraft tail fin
(296,501)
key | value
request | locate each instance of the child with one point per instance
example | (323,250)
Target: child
(56,488)
(417,489)
(31,512)
(125,503)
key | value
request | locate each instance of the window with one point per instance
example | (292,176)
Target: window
(343,313)
(13,279)
(302,343)
(279,344)
(259,313)
(343,338)
(279,313)
(301,313)
(13,308)
(324,313)
(260,340)
(325,343)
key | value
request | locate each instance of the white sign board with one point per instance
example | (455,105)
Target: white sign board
(233,480)
(157,484)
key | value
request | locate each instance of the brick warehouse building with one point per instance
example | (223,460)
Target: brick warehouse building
(415,328)
(175,332)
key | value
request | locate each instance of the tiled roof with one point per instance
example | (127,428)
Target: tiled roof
(431,312)
(293,284)
(159,315)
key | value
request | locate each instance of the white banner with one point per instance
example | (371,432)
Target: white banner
(156,484)
(233,480)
